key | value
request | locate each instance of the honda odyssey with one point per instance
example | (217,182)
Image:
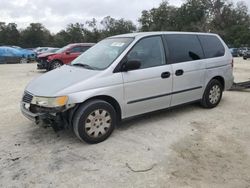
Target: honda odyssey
(127,75)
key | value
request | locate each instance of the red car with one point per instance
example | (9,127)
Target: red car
(65,55)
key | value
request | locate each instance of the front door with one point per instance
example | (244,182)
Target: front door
(149,87)
(72,54)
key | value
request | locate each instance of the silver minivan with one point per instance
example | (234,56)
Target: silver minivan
(127,75)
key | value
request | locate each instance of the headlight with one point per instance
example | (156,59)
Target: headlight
(50,102)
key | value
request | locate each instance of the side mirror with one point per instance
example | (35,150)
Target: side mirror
(131,65)
(67,52)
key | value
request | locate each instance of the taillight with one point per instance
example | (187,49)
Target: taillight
(232,63)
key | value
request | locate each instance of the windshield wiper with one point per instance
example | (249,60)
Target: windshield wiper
(83,65)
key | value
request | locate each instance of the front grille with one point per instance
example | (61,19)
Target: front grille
(41,60)
(27,97)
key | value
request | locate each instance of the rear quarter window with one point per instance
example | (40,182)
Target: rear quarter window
(212,46)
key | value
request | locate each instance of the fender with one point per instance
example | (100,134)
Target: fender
(115,92)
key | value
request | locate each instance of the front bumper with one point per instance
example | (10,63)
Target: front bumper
(37,114)
(42,64)
(31,116)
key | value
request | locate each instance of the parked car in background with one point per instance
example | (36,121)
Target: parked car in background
(234,52)
(128,75)
(242,50)
(246,55)
(39,50)
(46,50)
(50,50)
(11,55)
(42,59)
(32,49)
(28,54)
(63,56)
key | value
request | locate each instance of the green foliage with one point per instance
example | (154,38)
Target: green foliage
(112,26)
(159,19)
(230,21)
(9,34)
(35,35)
(192,16)
(91,32)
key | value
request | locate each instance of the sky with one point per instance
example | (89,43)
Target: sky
(57,14)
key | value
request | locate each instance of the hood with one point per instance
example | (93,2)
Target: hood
(54,82)
(54,56)
(45,55)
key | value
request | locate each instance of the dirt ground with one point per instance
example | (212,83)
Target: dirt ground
(184,147)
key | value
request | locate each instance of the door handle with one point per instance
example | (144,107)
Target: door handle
(165,75)
(179,72)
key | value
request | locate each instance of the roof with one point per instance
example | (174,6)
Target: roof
(143,34)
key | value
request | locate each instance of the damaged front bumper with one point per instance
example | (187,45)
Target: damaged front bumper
(31,116)
(42,64)
(50,116)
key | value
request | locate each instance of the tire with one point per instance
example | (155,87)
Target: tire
(212,94)
(55,64)
(94,121)
(244,58)
(23,60)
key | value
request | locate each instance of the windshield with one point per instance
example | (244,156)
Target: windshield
(63,49)
(52,50)
(101,55)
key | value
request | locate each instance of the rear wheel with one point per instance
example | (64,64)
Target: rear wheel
(55,65)
(94,121)
(212,95)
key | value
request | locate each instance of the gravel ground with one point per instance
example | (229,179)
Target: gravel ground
(183,147)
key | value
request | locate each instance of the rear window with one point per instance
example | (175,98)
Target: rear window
(212,46)
(184,47)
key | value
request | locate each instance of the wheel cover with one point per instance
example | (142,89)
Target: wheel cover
(214,94)
(98,123)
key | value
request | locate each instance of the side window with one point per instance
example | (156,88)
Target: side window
(149,51)
(212,46)
(183,47)
(76,49)
(84,48)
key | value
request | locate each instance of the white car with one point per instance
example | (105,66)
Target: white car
(127,75)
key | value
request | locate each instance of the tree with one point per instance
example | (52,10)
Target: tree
(91,32)
(112,26)
(75,32)
(159,19)
(230,21)
(9,34)
(193,16)
(62,38)
(72,34)
(36,35)
(218,16)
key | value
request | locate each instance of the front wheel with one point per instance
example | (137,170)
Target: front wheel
(212,95)
(94,121)
(55,65)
